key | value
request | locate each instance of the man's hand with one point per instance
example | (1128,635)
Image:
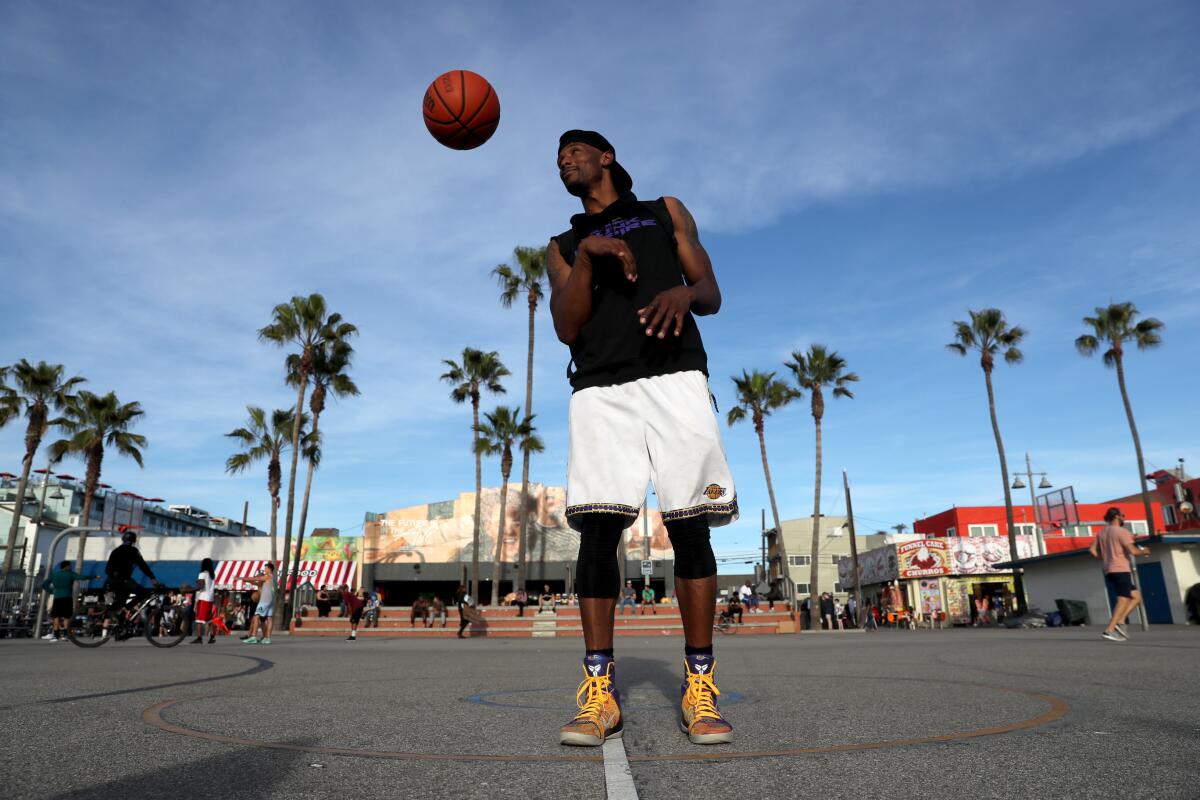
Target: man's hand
(667,311)
(602,247)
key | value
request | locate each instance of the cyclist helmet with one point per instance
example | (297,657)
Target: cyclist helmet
(129,537)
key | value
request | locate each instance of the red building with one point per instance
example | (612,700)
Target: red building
(990,521)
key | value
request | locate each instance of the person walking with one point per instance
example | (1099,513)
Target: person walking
(627,281)
(1114,546)
(466,609)
(354,603)
(852,611)
(648,600)
(826,611)
(61,585)
(261,622)
(205,609)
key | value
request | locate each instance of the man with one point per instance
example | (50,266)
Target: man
(119,569)
(546,600)
(826,607)
(744,591)
(628,597)
(625,281)
(734,608)
(354,603)
(437,610)
(1113,546)
(648,600)
(205,594)
(261,621)
(520,601)
(420,611)
(852,611)
(61,584)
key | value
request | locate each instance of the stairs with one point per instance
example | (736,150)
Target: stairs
(394,623)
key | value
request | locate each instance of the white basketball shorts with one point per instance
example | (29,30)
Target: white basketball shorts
(660,429)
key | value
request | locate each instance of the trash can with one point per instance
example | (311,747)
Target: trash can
(1074,612)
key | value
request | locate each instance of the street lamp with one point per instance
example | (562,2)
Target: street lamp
(1043,484)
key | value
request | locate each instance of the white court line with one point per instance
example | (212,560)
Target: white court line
(618,780)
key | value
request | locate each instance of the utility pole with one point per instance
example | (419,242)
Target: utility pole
(765,578)
(853,548)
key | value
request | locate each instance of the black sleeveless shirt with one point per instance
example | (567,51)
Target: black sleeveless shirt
(612,346)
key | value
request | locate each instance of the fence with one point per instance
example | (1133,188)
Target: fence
(16,614)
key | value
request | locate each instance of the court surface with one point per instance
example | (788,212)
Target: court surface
(970,713)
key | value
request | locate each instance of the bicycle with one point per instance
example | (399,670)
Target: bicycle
(160,619)
(724,623)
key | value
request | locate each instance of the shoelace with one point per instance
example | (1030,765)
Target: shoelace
(592,694)
(701,695)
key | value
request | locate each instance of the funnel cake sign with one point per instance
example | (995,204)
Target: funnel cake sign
(924,558)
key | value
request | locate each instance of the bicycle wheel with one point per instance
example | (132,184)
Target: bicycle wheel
(86,630)
(165,624)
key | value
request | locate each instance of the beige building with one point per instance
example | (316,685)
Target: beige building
(833,544)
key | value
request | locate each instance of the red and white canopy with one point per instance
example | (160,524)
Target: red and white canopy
(232,574)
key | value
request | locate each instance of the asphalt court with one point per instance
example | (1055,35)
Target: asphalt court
(902,713)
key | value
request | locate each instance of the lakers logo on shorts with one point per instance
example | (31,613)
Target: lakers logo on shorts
(714,492)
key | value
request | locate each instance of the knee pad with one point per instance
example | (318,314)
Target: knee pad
(693,552)
(597,572)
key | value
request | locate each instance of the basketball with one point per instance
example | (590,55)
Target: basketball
(461,109)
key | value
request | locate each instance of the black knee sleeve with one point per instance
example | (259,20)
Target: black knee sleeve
(693,552)
(597,573)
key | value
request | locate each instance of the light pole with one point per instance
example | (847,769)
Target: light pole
(1044,484)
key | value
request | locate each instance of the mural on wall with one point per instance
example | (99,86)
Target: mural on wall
(442,532)
(920,558)
(329,548)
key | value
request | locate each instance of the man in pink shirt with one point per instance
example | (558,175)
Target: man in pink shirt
(1113,546)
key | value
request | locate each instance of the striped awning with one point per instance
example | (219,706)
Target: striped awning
(232,574)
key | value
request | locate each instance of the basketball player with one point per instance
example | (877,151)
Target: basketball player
(625,281)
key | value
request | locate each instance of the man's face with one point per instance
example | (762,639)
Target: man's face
(581,166)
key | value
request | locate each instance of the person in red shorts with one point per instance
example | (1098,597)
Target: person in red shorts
(205,608)
(354,602)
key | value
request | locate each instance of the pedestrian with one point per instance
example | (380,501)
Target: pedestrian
(648,600)
(628,597)
(205,595)
(374,604)
(734,607)
(1114,546)
(837,614)
(625,283)
(826,610)
(324,604)
(870,617)
(852,611)
(437,610)
(546,600)
(466,610)
(806,614)
(262,621)
(520,601)
(61,585)
(354,602)
(744,592)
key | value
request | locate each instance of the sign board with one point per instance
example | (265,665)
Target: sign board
(647,568)
(924,558)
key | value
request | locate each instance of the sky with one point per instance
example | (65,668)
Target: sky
(861,174)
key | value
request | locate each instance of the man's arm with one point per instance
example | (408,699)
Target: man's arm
(701,295)
(1095,548)
(1131,547)
(571,286)
(141,564)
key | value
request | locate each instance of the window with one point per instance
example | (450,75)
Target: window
(981,530)
(1138,526)
(952,531)
(799,561)
(1169,517)
(1026,529)
(801,588)
(835,559)
(837,587)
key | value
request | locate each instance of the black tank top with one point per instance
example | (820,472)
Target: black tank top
(612,346)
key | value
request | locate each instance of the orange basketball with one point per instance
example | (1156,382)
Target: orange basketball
(461,109)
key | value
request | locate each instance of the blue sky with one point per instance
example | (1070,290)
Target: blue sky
(861,174)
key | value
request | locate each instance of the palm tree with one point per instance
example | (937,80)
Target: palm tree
(815,371)
(988,333)
(527,279)
(478,371)
(305,323)
(1115,326)
(93,423)
(496,436)
(899,528)
(35,391)
(758,394)
(331,360)
(261,440)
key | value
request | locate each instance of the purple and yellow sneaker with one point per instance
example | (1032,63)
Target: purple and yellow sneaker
(599,716)
(699,716)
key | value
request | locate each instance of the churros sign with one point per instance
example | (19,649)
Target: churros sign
(924,558)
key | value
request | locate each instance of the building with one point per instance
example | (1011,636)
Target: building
(55,504)
(833,545)
(428,547)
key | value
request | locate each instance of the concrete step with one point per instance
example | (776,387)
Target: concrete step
(499,629)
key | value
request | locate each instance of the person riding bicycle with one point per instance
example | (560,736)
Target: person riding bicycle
(121,562)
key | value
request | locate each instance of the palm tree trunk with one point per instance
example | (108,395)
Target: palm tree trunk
(280,620)
(287,611)
(814,593)
(91,480)
(32,442)
(783,562)
(1018,580)
(524,511)
(499,542)
(1137,446)
(474,592)
(274,528)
